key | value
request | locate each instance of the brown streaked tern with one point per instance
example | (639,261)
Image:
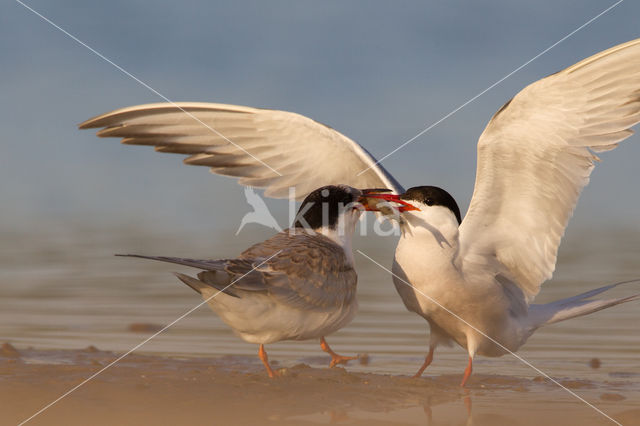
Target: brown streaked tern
(299,284)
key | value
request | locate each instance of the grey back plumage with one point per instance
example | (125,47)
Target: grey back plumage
(309,272)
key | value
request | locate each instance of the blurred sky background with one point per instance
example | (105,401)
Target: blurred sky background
(377,71)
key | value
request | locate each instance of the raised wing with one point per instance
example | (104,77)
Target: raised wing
(536,155)
(268,149)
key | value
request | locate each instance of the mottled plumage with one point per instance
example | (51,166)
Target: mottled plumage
(308,272)
(299,284)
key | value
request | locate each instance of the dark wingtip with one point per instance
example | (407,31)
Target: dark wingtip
(135,255)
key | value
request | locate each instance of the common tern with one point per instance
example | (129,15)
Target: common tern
(534,158)
(299,284)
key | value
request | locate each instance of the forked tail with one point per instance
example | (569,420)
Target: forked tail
(575,306)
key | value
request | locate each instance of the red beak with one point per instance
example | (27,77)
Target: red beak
(379,194)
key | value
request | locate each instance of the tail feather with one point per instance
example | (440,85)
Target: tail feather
(196,284)
(194,263)
(575,306)
(584,307)
(594,292)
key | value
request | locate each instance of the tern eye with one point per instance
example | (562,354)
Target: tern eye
(429,201)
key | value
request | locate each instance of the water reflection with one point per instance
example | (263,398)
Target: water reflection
(65,289)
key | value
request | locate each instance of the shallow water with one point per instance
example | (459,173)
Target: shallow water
(64,289)
(233,390)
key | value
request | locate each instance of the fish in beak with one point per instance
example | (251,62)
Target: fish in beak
(381,200)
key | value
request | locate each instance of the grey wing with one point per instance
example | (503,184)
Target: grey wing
(535,157)
(307,272)
(310,271)
(195,263)
(222,274)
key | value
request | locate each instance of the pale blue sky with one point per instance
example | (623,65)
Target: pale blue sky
(377,71)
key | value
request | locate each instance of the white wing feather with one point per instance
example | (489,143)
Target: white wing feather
(536,155)
(249,143)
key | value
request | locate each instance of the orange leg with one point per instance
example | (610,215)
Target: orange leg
(263,357)
(467,372)
(427,362)
(335,358)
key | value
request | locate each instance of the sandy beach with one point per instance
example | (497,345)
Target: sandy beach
(234,390)
(71,310)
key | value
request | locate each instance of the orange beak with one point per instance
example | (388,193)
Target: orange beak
(370,195)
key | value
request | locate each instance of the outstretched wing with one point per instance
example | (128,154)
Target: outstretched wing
(536,155)
(265,148)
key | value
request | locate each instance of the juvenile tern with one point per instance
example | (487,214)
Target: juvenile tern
(534,158)
(299,284)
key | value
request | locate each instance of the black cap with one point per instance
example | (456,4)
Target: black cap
(433,196)
(329,200)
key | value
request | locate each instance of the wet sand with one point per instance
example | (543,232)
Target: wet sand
(64,291)
(234,390)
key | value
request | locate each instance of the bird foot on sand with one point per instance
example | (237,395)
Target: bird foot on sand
(339,359)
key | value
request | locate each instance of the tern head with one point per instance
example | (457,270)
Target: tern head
(432,204)
(329,207)
(338,207)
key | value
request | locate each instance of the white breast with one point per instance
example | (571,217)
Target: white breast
(460,305)
(423,258)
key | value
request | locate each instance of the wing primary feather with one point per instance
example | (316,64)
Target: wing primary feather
(306,154)
(535,157)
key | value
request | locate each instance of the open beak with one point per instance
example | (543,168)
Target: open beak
(372,197)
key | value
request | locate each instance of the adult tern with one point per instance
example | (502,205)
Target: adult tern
(534,158)
(299,284)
